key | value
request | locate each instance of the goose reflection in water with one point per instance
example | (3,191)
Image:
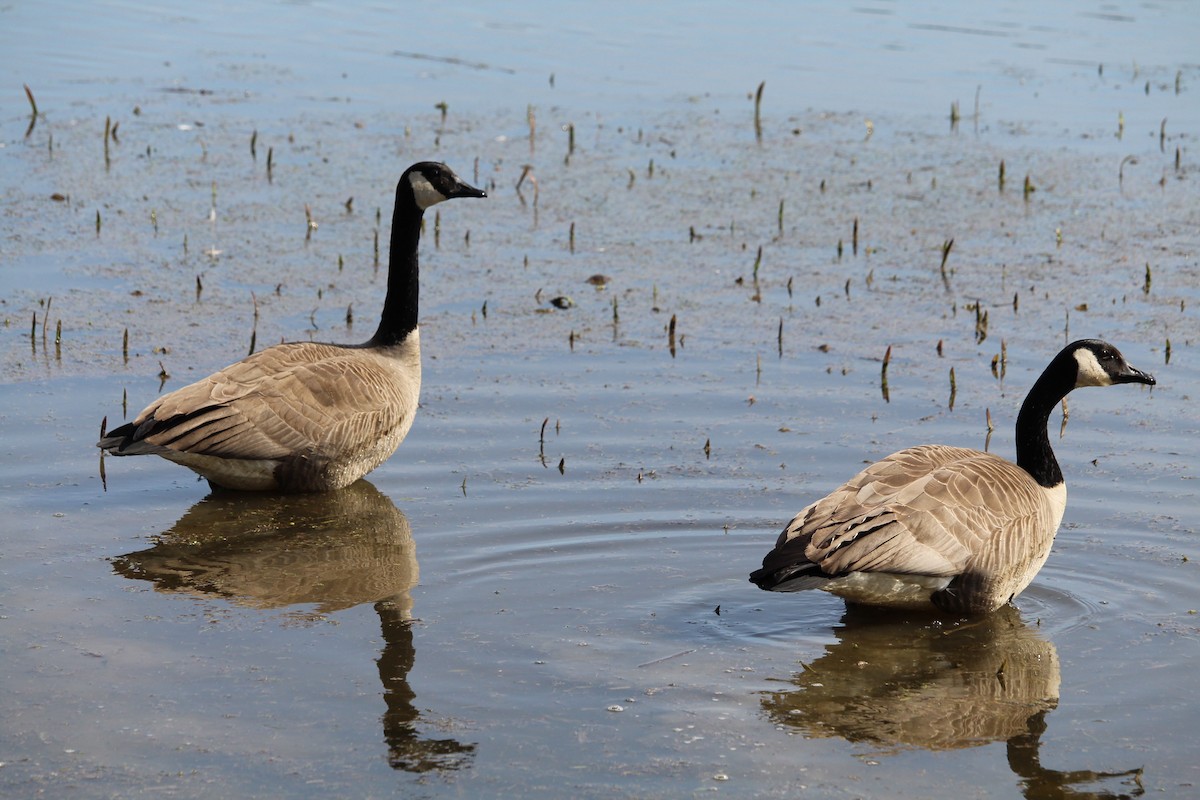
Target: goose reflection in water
(901,682)
(333,550)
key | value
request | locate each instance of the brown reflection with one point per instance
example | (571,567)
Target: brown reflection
(901,682)
(333,550)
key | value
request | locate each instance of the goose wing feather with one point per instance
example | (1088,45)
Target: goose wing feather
(289,399)
(930,510)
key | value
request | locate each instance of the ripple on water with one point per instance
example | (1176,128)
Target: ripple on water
(687,579)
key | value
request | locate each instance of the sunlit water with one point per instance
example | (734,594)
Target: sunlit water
(544,592)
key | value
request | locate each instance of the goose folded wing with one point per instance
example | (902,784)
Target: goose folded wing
(887,519)
(281,402)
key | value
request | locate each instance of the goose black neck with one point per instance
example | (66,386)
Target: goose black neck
(399,317)
(1034,454)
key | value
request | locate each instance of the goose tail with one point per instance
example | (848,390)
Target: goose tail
(792,578)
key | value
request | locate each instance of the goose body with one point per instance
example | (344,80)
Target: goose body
(305,416)
(947,528)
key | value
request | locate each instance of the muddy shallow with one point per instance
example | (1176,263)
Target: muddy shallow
(544,592)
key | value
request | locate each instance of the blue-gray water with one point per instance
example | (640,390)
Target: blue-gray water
(470,621)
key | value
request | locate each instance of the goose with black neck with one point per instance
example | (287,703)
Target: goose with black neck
(307,416)
(945,528)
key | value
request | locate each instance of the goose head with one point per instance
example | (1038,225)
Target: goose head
(431,182)
(1098,363)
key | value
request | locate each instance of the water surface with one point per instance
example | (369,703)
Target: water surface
(544,592)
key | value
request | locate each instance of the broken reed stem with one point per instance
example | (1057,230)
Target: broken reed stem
(310,224)
(883,378)
(254,325)
(758,111)
(946,247)
(33,116)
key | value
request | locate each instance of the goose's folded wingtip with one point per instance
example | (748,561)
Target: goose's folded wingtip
(788,579)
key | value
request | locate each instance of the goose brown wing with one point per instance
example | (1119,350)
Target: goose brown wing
(286,400)
(923,511)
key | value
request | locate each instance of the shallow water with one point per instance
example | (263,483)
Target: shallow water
(544,592)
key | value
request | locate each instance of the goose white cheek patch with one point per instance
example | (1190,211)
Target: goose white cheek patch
(423,191)
(1090,371)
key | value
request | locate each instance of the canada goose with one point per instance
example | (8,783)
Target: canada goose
(304,416)
(945,527)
